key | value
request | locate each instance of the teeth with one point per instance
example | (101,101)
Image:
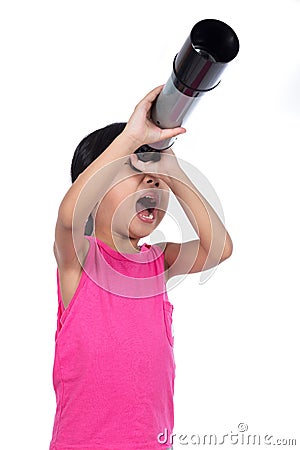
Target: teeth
(148,217)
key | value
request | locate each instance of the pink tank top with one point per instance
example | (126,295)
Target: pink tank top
(114,367)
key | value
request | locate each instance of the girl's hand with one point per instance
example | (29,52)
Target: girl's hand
(167,168)
(140,128)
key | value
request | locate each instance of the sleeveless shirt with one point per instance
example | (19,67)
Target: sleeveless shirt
(114,368)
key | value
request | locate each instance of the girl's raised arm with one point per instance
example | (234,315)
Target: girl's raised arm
(70,247)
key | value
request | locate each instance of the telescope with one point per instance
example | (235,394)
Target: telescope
(197,69)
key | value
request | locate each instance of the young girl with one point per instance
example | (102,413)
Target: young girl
(114,365)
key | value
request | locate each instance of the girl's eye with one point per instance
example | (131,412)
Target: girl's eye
(133,168)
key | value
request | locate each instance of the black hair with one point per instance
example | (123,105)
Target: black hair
(92,146)
(88,150)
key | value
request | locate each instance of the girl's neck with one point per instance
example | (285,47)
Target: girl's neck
(121,244)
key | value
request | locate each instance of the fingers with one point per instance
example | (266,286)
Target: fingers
(151,96)
(171,132)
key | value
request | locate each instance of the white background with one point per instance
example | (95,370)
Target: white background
(70,67)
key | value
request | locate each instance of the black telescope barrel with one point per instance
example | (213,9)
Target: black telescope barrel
(211,45)
(197,68)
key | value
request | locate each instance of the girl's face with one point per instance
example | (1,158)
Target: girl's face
(134,207)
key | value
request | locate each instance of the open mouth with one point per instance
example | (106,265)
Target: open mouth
(146,208)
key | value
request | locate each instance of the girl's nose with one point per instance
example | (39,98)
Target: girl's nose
(149,179)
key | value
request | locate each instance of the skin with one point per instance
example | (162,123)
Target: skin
(116,221)
(109,188)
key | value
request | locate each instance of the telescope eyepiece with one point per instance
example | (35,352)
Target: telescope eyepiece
(146,153)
